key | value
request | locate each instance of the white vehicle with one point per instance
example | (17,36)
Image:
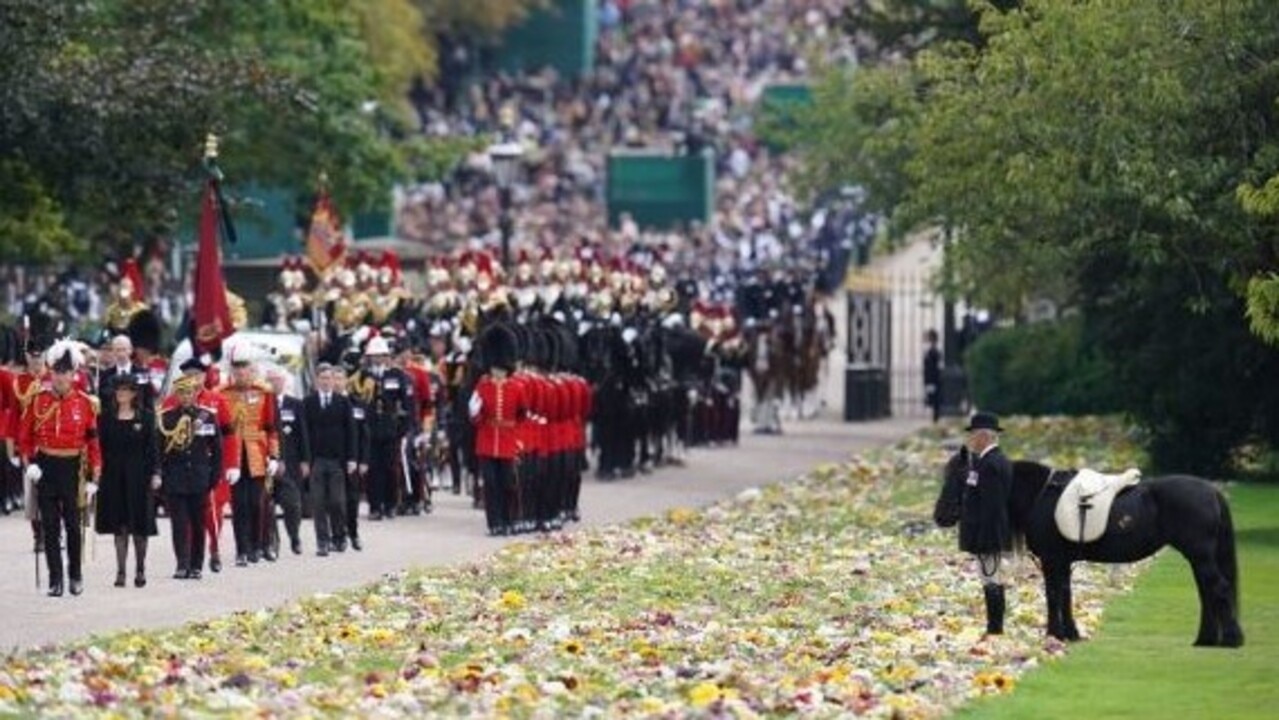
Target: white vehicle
(269,349)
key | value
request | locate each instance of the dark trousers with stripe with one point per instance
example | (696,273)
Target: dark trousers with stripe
(59,499)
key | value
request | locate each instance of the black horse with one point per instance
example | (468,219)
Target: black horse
(1186,512)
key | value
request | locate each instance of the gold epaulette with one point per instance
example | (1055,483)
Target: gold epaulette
(94,402)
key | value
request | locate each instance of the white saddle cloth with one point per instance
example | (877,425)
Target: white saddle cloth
(1088,497)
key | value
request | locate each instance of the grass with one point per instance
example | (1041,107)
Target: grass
(1143,665)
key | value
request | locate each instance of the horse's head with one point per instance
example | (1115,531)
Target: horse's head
(947,508)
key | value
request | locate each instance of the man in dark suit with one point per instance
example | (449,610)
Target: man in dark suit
(984,526)
(116,360)
(295,456)
(330,426)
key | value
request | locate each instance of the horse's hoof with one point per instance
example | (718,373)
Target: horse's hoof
(1204,642)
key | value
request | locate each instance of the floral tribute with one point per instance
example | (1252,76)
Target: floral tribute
(827,595)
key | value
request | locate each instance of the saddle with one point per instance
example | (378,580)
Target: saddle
(1084,506)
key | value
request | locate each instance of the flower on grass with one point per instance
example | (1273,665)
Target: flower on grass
(513,600)
(994,681)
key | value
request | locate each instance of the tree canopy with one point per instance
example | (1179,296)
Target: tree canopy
(104,105)
(1118,157)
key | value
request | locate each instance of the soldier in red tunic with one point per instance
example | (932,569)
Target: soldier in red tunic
(495,406)
(57,435)
(26,384)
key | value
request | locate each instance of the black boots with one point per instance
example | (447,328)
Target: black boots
(995,606)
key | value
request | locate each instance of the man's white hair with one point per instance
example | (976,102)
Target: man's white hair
(119,340)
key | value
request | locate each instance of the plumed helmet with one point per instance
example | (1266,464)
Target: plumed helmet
(64,356)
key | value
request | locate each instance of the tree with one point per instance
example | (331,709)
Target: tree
(104,104)
(1092,153)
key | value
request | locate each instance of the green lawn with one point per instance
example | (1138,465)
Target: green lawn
(1143,665)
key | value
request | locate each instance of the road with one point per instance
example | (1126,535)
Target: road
(453,533)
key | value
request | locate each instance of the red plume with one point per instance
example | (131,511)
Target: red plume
(134,276)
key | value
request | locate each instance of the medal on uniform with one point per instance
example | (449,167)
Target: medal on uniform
(972,478)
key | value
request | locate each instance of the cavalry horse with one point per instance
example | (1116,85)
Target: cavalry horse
(1185,512)
(810,337)
(767,363)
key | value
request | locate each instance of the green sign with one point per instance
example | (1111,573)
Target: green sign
(561,36)
(778,106)
(659,190)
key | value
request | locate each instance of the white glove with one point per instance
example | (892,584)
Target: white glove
(15,461)
(350,467)
(421,440)
(90,490)
(155,482)
(364,469)
(273,467)
(232,476)
(34,473)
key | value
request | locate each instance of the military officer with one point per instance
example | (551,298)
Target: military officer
(58,442)
(295,459)
(219,490)
(392,416)
(253,413)
(191,464)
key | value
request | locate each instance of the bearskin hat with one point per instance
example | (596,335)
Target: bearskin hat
(499,347)
(144,330)
(553,359)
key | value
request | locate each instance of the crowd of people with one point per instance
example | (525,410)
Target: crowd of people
(608,347)
(670,76)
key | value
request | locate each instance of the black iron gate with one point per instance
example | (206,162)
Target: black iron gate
(889,315)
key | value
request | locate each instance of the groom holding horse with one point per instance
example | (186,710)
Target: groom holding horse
(984,526)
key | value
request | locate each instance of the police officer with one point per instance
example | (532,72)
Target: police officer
(58,436)
(191,464)
(984,527)
(392,415)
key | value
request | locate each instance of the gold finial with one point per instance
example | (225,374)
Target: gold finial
(211,146)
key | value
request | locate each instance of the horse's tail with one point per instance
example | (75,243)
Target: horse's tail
(1227,562)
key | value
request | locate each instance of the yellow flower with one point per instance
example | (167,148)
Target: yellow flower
(381,636)
(994,681)
(651,705)
(703,694)
(572,647)
(377,690)
(681,515)
(513,600)
(7,693)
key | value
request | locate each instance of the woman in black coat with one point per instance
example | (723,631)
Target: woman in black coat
(130,475)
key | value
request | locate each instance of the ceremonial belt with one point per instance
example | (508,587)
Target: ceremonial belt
(60,452)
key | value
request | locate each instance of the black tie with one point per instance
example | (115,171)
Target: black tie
(324,401)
